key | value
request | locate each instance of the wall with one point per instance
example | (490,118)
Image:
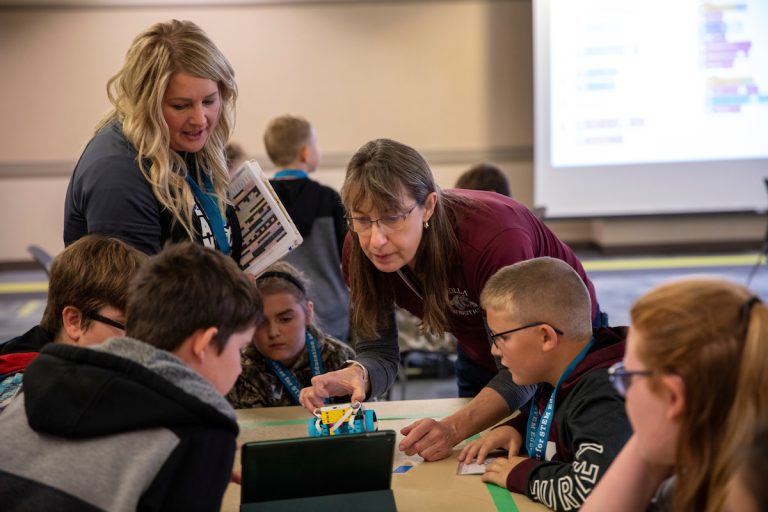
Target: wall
(451,78)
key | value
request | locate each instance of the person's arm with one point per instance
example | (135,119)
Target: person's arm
(378,360)
(196,474)
(381,357)
(116,200)
(515,396)
(629,484)
(434,440)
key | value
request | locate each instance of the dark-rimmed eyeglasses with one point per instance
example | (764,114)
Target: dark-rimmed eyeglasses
(494,336)
(394,222)
(622,379)
(104,320)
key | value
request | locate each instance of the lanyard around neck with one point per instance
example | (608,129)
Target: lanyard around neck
(209,204)
(537,432)
(291,174)
(287,377)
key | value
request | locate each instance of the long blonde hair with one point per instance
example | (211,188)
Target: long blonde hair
(136,93)
(380,172)
(696,328)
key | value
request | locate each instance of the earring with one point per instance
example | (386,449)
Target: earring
(426,224)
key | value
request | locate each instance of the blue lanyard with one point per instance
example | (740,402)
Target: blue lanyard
(537,432)
(207,201)
(288,378)
(291,173)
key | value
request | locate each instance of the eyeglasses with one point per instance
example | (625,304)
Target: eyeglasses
(493,336)
(622,379)
(103,319)
(363,226)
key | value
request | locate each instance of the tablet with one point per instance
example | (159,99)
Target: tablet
(317,466)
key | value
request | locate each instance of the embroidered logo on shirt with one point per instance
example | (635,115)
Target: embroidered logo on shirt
(461,304)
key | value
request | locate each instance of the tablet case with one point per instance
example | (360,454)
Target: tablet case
(348,472)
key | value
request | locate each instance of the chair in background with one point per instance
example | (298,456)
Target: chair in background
(42,257)
(422,354)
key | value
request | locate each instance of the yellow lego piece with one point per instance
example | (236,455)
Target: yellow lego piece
(332,416)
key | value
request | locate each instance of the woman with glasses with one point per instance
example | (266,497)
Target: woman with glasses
(695,351)
(430,252)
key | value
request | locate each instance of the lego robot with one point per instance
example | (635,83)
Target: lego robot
(333,420)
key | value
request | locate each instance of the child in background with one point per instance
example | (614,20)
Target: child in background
(287,349)
(137,425)
(485,176)
(316,209)
(539,323)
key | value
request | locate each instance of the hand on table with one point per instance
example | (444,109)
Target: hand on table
(500,438)
(433,440)
(498,470)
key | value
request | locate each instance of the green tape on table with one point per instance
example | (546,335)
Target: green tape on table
(245,424)
(501,497)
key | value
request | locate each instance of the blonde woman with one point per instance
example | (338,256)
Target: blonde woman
(156,170)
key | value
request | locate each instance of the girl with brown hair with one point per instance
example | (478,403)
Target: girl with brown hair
(683,373)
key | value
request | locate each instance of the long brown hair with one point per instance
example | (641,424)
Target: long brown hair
(381,172)
(749,411)
(695,328)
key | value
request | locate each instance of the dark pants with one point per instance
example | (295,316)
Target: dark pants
(470,376)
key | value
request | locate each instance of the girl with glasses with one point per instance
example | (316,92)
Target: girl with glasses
(430,252)
(694,376)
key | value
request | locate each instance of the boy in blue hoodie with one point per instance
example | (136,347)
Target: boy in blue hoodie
(539,324)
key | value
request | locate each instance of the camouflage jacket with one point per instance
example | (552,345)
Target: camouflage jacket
(258,386)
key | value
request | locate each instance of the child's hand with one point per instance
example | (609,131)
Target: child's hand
(498,470)
(501,438)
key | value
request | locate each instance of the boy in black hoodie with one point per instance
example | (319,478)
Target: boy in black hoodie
(138,422)
(538,316)
(316,209)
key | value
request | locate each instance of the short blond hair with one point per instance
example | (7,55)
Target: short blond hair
(284,138)
(542,290)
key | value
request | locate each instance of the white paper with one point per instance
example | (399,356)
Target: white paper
(473,468)
(268,231)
